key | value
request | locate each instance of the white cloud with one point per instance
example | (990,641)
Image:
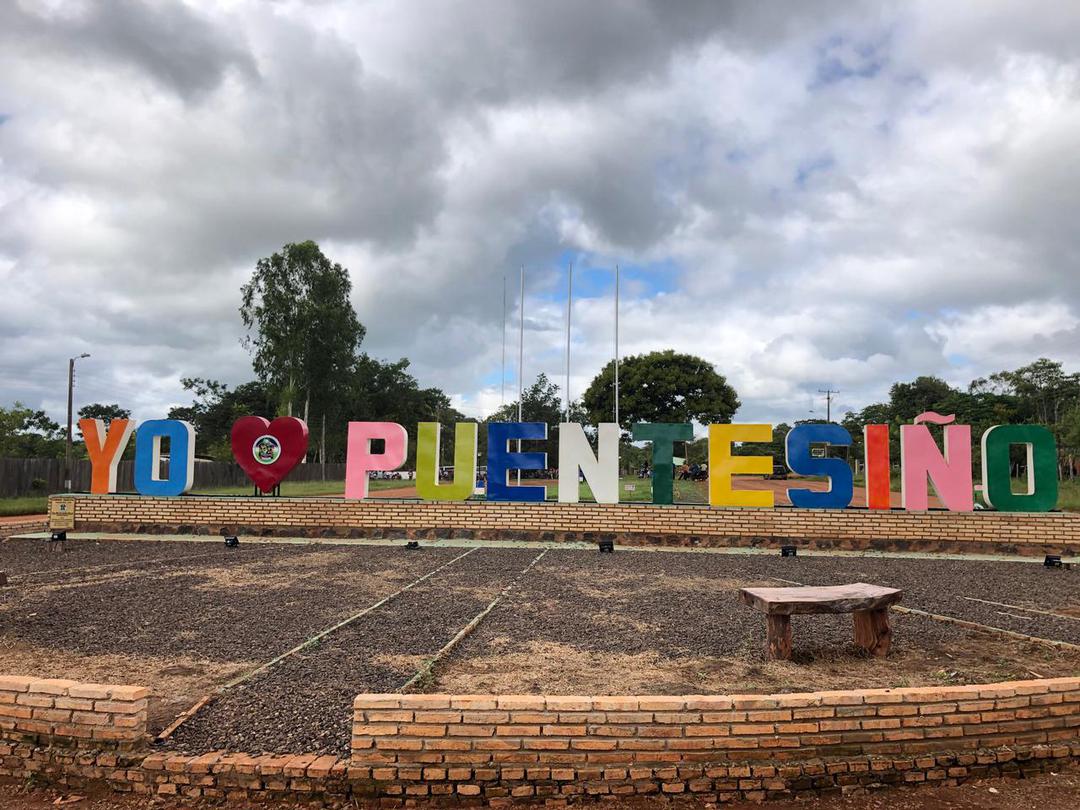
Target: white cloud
(844,195)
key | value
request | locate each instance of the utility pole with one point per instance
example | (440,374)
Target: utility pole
(828,392)
(67,451)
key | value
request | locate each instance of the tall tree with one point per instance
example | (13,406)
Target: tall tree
(303,333)
(1044,385)
(540,402)
(662,387)
(215,408)
(106,413)
(387,392)
(908,400)
(26,433)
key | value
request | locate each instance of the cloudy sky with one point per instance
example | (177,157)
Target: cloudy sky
(809,195)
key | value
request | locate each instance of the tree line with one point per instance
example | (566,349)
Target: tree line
(305,341)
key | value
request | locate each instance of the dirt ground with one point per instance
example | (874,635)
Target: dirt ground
(1044,792)
(181,618)
(671,623)
(185,618)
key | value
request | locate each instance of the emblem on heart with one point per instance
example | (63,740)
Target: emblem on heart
(267,451)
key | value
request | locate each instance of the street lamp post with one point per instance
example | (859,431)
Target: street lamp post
(67,453)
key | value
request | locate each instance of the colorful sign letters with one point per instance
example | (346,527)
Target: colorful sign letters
(268,450)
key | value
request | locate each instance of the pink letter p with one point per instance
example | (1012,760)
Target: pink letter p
(359,460)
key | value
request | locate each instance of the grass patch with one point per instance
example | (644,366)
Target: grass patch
(28,505)
(1069,495)
(302,489)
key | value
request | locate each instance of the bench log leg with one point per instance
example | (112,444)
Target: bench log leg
(872,631)
(778,641)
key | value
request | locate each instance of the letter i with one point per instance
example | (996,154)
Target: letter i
(876,444)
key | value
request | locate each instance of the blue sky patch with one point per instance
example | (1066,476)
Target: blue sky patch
(595,278)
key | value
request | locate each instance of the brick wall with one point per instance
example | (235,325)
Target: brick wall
(332,782)
(519,740)
(470,749)
(10,527)
(49,710)
(629,524)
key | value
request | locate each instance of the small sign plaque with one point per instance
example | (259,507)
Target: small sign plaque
(61,514)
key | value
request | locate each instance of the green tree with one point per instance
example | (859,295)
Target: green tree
(386,392)
(908,400)
(1043,386)
(106,413)
(26,433)
(302,330)
(1070,429)
(540,402)
(661,386)
(215,408)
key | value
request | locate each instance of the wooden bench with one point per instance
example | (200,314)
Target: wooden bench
(869,604)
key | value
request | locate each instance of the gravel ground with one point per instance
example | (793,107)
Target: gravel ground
(305,702)
(673,623)
(33,559)
(663,622)
(632,603)
(251,603)
(939,586)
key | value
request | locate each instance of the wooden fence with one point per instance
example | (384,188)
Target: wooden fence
(44,476)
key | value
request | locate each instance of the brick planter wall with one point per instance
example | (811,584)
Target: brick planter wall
(630,524)
(471,749)
(11,527)
(53,711)
(517,741)
(316,781)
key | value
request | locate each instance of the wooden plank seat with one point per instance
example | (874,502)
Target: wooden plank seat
(869,605)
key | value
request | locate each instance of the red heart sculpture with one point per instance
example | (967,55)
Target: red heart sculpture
(267,451)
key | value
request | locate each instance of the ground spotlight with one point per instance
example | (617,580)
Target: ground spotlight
(413,544)
(607,546)
(788,551)
(57,541)
(1052,561)
(232,541)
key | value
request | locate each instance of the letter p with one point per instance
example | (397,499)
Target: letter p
(359,460)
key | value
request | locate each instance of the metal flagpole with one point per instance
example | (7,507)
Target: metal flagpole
(521,355)
(616,344)
(569,302)
(502,403)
